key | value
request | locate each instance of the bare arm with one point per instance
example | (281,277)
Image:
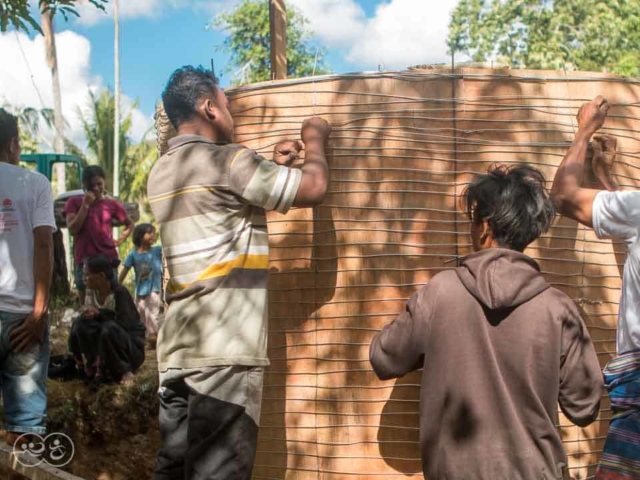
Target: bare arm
(42,268)
(315,170)
(123,274)
(570,198)
(31,330)
(581,382)
(396,350)
(75,221)
(129,226)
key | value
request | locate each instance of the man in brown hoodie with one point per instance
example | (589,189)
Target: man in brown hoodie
(499,347)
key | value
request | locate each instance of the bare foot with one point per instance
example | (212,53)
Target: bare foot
(127,379)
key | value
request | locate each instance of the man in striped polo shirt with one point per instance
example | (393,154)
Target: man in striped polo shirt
(209,198)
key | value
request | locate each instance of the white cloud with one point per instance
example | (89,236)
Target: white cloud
(401,32)
(17,88)
(334,22)
(90,15)
(130,9)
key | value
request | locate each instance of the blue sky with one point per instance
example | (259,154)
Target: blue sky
(158,36)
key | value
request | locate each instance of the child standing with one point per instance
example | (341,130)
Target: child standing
(146,261)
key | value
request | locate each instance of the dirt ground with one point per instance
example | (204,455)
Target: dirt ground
(6,474)
(114,428)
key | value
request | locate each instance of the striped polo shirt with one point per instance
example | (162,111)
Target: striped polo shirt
(209,202)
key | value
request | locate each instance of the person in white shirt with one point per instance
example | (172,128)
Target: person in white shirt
(27,224)
(615,214)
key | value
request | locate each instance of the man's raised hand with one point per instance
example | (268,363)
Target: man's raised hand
(592,115)
(315,129)
(286,152)
(604,154)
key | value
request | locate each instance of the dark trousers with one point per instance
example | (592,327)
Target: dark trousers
(209,423)
(119,352)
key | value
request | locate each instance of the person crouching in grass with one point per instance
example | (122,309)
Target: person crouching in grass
(108,337)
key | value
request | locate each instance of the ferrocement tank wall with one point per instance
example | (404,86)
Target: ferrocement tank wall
(403,147)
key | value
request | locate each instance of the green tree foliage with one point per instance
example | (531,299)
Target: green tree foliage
(98,123)
(139,160)
(31,120)
(590,35)
(18,14)
(136,159)
(248,43)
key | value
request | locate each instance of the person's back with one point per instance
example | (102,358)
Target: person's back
(499,342)
(500,348)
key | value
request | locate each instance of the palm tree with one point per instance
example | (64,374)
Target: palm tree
(99,127)
(138,162)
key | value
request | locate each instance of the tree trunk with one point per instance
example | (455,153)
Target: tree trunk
(278,33)
(52,61)
(61,240)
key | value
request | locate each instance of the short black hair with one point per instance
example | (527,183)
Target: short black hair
(187,86)
(140,231)
(515,203)
(92,171)
(8,128)
(103,264)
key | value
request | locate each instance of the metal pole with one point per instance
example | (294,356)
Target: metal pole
(116,129)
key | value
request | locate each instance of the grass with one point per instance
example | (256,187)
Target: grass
(114,427)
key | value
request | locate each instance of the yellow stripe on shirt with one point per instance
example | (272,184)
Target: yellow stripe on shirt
(180,192)
(248,262)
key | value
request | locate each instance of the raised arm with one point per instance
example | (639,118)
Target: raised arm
(570,198)
(75,220)
(315,170)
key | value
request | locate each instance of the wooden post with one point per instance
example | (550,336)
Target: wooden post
(278,30)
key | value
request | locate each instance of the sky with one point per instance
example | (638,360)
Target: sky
(158,36)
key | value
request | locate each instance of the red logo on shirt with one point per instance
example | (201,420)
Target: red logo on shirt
(7,204)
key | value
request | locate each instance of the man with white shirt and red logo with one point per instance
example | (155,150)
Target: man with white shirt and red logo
(26,262)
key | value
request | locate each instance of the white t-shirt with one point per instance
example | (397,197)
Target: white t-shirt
(617,215)
(26,202)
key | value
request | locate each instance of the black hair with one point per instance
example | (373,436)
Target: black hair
(103,264)
(8,129)
(140,231)
(91,172)
(515,203)
(185,88)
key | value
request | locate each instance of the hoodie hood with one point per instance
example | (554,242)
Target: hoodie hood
(501,278)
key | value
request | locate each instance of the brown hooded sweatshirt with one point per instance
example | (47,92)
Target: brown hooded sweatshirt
(499,348)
